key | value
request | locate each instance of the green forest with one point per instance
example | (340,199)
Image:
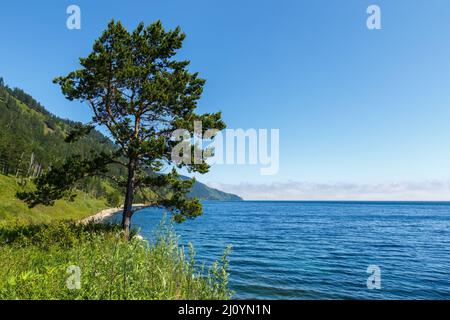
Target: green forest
(32,139)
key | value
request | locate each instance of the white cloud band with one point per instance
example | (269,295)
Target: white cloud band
(291,190)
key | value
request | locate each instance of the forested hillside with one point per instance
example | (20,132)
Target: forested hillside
(32,139)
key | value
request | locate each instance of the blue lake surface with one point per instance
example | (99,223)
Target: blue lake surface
(321,250)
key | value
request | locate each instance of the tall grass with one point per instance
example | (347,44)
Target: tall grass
(37,262)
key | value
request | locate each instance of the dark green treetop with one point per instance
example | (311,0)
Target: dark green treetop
(141,94)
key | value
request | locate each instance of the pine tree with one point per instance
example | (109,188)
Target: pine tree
(141,94)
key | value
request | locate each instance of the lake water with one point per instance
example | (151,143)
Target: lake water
(321,250)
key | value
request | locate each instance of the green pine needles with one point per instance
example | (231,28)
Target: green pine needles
(141,94)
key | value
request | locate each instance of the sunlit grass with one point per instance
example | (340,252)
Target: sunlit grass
(35,260)
(14,210)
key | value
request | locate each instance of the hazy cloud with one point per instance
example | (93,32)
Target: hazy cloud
(424,190)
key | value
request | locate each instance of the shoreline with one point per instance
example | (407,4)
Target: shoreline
(106,213)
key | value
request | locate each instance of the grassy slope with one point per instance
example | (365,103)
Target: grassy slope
(13,209)
(36,264)
(38,250)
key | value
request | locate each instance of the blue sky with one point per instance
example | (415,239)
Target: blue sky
(358,108)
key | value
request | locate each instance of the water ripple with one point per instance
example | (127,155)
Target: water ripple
(321,250)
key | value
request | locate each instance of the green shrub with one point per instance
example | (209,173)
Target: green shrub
(114,199)
(36,260)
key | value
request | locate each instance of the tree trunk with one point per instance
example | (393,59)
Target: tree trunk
(129,197)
